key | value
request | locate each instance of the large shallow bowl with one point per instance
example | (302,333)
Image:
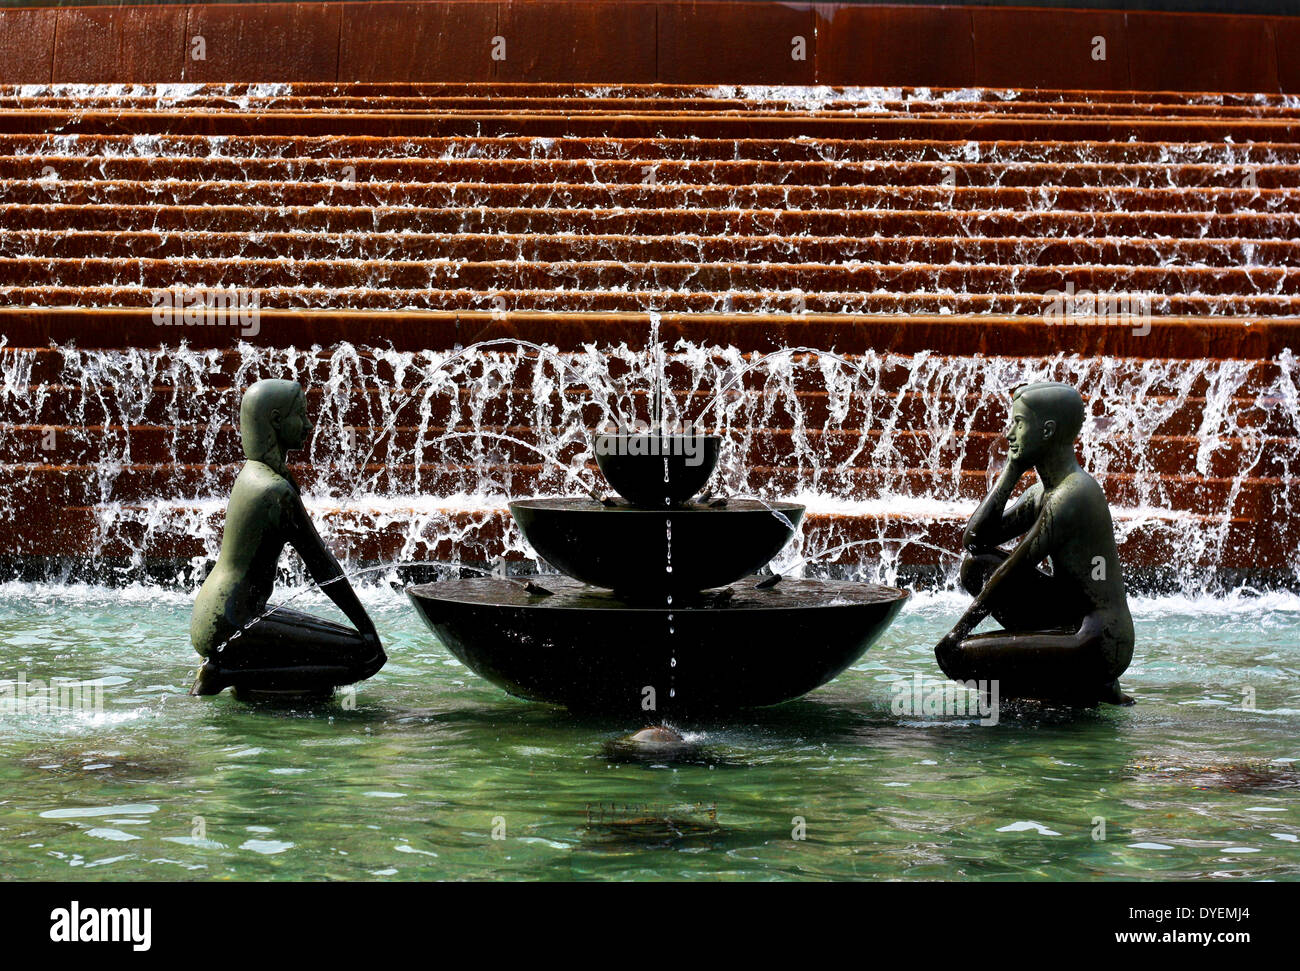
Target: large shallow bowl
(645,554)
(657,470)
(589,650)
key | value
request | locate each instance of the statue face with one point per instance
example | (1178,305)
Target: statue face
(1027,436)
(294,427)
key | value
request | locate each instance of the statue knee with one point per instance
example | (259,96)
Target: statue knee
(370,667)
(974,572)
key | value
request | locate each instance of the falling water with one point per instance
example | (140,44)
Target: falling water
(672,630)
(882,443)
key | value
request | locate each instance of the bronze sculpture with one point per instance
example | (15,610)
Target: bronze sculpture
(1068,635)
(280,652)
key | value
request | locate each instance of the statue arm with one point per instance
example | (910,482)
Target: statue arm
(1024,512)
(322,565)
(992,523)
(1036,546)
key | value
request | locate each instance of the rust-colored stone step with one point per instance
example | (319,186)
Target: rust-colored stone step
(954,97)
(1190,338)
(759,123)
(611,275)
(66,166)
(539,247)
(646,195)
(566,301)
(815,102)
(1031,205)
(694,221)
(1212,151)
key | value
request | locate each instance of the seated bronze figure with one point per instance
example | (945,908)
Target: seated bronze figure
(1068,635)
(284,652)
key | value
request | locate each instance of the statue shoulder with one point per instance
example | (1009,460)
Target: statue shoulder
(1077,497)
(259,485)
(1090,487)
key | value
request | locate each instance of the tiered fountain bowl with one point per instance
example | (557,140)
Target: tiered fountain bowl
(658,609)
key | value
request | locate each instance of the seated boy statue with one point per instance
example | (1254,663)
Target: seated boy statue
(283,652)
(1068,635)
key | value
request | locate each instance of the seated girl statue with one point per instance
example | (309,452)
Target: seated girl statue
(1068,634)
(283,652)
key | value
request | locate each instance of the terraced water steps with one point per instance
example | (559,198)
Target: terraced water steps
(36,190)
(427,217)
(1050,226)
(620,98)
(650,121)
(1262,288)
(566,299)
(75,485)
(698,150)
(48,166)
(1188,338)
(1090,253)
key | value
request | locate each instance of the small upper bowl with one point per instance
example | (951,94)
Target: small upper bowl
(657,470)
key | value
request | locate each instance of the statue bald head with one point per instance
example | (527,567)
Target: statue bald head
(267,420)
(1055,402)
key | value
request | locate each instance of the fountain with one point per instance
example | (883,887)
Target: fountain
(657,609)
(848,285)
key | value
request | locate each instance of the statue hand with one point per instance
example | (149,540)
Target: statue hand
(1015,467)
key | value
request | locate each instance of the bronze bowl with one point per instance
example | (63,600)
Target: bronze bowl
(657,471)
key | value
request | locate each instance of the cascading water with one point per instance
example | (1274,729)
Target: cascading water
(424,450)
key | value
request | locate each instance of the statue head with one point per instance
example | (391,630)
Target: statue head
(272,420)
(1045,417)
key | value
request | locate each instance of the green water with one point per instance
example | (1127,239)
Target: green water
(414,782)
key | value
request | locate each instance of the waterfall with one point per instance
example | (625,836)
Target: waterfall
(424,449)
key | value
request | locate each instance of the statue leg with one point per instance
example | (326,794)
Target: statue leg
(291,651)
(1069,667)
(1027,600)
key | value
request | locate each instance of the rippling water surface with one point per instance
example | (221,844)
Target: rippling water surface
(1199,780)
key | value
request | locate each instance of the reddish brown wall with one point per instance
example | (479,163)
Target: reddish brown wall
(643,41)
